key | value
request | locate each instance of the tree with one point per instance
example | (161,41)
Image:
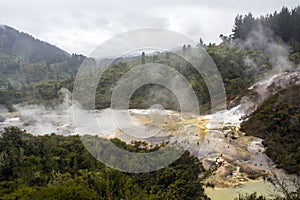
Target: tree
(237,28)
(143,57)
(184,50)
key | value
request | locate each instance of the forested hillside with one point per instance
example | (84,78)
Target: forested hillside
(24,59)
(284,25)
(277,121)
(13,42)
(58,167)
(237,75)
(235,64)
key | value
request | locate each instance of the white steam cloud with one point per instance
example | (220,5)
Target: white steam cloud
(277,52)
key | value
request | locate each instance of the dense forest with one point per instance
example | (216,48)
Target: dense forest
(277,122)
(230,60)
(283,25)
(58,167)
(24,59)
(19,64)
(234,62)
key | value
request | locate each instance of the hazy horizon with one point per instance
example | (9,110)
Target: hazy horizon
(78,27)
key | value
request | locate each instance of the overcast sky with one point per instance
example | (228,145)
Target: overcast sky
(79,26)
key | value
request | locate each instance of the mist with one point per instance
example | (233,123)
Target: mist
(263,39)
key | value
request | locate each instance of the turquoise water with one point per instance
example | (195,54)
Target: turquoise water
(261,187)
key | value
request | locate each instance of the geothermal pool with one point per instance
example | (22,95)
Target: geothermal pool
(211,138)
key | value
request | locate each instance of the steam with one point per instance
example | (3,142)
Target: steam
(283,72)
(37,119)
(277,52)
(67,98)
(250,62)
(259,92)
(40,120)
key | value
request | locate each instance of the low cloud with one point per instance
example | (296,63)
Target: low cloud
(79,27)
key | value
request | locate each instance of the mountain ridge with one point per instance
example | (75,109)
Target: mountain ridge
(15,42)
(25,59)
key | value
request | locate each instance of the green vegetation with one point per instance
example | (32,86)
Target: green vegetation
(284,24)
(21,55)
(24,59)
(54,65)
(252,196)
(277,122)
(237,74)
(58,167)
(230,60)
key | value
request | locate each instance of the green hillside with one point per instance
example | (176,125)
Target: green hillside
(24,59)
(58,167)
(277,121)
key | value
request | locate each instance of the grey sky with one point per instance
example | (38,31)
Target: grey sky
(79,26)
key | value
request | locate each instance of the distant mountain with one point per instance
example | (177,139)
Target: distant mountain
(24,59)
(13,42)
